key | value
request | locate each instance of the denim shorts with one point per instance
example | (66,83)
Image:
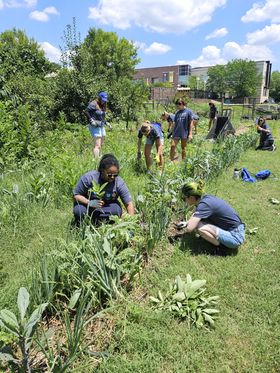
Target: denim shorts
(152,141)
(97,131)
(232,239)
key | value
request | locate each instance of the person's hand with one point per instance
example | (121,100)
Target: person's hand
(138,156)
(181,224)
(95,203)
(190,137)
(91,121)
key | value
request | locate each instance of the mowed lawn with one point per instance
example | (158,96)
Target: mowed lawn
(247,333)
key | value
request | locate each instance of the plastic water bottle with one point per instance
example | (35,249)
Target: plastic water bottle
(236,173)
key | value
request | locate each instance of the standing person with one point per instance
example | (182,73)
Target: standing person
(169,117)
(95,112)
(212,114)
(101,205)
(154,135)
(266,138)
(214,219)
(182,128)
(195,118)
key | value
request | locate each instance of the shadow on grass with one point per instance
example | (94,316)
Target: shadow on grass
(198,246)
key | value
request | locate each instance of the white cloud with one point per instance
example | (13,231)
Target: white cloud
(259,12)
(19,4)
(218,33)
(268,35)
(174,16)
(211,55)
(43,16)
(1,4)
(157,48)
(52,53)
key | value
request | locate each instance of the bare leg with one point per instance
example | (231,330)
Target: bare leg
(209,232)
(183,146)
(174,143)
(98,142)
(159,152)
(147,152)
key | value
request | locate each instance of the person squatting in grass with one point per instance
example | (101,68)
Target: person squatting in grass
(154,135)
(86,200)
(266,138)
(214,219)
(212,114)
(95,112)
(169,117)
(182,128)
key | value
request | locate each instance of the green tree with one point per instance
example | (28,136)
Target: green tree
(274,89)
(217,79)
(243,78)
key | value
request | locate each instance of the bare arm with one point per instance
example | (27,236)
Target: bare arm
(130,208)
(81,199)
(192,224)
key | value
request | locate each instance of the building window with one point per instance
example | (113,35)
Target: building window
(154,80)
(171,77)
(184,69)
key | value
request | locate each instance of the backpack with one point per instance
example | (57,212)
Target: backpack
(263,174)
(245,175)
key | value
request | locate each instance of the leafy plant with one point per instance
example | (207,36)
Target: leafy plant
(22,328)
(186,300)
(97,190)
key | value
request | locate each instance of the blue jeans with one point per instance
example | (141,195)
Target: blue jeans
(232,239)
(98,215)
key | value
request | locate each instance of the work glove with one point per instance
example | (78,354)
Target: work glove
(181,224)
(138,156)
(91,121)
(95,203)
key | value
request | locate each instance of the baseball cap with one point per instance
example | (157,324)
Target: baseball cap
(103,96)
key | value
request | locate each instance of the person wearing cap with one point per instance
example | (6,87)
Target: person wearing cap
(89,200)
(95,112)
(169,117)
(266,138)
(154,135)
(182,128)
(214,219)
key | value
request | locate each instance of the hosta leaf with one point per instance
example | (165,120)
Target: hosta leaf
(22,301)
(9,320)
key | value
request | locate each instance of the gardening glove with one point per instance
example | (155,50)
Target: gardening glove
(95,203)
(181,224)
(138,156)
(91,121)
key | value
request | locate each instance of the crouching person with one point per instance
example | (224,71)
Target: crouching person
(99,204)
(214,220)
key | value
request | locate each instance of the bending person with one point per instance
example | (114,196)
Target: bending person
(266,138)
(100,205)
(95,112)
(154,135)
(169,117)
(215,220)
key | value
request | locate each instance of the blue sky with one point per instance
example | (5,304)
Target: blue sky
(166,32)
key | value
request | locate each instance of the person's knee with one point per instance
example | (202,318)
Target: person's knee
(79,212)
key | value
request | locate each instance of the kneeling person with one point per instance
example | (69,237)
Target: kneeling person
(215,220)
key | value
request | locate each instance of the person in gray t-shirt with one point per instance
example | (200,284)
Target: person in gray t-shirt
(214,219)
(97,193)
(266,138)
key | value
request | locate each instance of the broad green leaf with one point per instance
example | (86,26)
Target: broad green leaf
(155,300)
(180,296)
(107,246)
(9,320)
(211,311)
(74,299)
(189,279)
(208,319)
(180,284)
(160,296)
(22,301)
(7,357)
(34,318)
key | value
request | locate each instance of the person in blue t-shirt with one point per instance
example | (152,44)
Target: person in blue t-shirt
(266,138)
(100,208)
(182,128)
(154,135)
(214,219)
(96,112)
